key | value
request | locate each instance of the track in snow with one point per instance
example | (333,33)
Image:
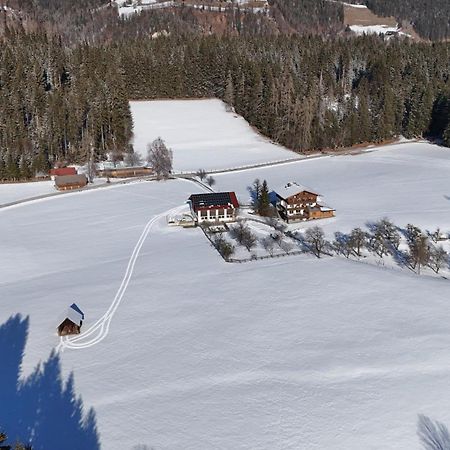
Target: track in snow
(100,329)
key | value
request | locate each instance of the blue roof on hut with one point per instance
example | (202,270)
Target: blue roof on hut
(78,310)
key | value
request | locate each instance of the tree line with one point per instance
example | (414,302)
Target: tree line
(303,91)
(60,103)
(98,20)
(430,18)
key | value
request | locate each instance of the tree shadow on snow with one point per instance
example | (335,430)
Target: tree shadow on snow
(42,410)
(253,195)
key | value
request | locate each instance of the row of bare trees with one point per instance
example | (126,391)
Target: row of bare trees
(382,239)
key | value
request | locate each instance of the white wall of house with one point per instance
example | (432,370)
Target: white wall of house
(212,215)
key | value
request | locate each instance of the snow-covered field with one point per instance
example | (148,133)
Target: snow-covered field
(376,29)
(15,192)
(406,182)
(202,134)
(292,353)
(12,192)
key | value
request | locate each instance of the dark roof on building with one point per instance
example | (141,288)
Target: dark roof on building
(70,179)
(214,200)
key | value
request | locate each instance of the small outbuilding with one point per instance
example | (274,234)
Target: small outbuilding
(71,322)
(69,182)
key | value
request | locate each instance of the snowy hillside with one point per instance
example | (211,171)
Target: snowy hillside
(292,353)
(202,135)
(407,182)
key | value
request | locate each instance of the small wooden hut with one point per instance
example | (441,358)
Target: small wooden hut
(71,322)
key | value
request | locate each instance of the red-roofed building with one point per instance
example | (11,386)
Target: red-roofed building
(61,171)
(214,207)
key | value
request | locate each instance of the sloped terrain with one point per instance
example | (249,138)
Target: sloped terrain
(294,353)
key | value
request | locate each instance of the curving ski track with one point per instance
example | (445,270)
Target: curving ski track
(100,329)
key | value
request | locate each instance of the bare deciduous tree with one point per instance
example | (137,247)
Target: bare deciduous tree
(210,181)
(378,244)
(412,233)
(419,252)
(241,232)
(115,155)
(91,170)
(286,246)
(133,159)
(201,174)
(315,239)
(342,244)
(225,248)
(268,244)
(249,240)
(160,158)
(279,225)
(435,235)
(438,258)
(384,238)
(433,435)
(237,231)
(358,240)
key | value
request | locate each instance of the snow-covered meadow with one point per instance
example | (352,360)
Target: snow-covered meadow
(289,353)
(406,182)
(202,134)
(12,192)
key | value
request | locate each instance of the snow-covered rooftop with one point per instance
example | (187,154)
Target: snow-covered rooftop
(74,314)
(291,188)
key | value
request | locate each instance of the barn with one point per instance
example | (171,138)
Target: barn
(214,207)
(71,322)
(68,182)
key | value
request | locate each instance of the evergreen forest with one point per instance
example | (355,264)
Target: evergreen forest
(64,98)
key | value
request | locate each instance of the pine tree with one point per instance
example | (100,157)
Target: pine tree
(264,200)
(229,93)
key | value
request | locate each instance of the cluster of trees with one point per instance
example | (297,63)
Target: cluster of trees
(202,175)
(302,91)
(58,104)
(86,20)
(243,235)
(261,199)
(308,16)
(98,20)
(71,104)
(431,18)
(225,248)
(382,239)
